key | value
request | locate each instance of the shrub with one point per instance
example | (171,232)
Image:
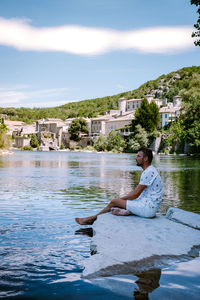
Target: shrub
(27,148)
(34,141)
(115,142)
(100,144)
(5,140)
(138,140)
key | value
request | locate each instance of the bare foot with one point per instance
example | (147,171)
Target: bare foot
(120,211)
(86,221)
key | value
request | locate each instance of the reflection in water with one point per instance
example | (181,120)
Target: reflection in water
(41,193)
(148,281)
(85,231)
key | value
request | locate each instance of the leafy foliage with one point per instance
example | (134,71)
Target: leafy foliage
(147,115)
(27,148)
(34,141)
(5,140)
(187,128)
(115,142)
(176,139)
(191,121)
(101,143)
(138,140)
(196,34)
(77,127)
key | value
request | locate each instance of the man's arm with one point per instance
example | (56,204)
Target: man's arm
(135,193)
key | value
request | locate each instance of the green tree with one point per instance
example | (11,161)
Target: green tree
(101,143)
(196,34)
(147,115)
(177,136)
(191,121)
(77,127)
(3,125)
(138,140)
(155,115)
(34,141)
(115,142)
(5,140)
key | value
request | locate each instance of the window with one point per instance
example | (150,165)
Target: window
(165,116)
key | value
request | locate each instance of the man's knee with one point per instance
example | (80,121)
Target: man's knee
(113,202)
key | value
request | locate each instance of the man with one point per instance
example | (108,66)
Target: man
(147,195)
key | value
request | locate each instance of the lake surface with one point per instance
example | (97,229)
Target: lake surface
(41,253)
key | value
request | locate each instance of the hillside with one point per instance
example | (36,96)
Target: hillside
(184,82)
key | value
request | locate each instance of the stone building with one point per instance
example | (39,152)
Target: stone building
(49,133)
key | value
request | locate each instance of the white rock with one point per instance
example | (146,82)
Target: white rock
(185,217)
(142,243)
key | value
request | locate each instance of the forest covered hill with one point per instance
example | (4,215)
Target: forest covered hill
(184,82)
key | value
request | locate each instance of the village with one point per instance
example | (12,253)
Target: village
(52,133)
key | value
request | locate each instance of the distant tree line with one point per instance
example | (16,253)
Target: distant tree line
(145,126)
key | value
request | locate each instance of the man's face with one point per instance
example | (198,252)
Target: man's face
(140,159)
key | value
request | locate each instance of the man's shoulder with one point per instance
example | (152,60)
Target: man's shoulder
(151,168)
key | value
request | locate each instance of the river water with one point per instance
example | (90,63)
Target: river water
(41,253)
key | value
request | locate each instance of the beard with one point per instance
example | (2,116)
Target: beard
(139,164)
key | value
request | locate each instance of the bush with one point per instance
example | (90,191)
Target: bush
(27,148)
(138,140)
(90,148)
(101,143)
(78,147)
(5,140)
(115,142)
(34,141)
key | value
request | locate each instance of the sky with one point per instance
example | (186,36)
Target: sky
(53,52)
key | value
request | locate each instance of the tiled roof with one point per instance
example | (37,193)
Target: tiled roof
(13,123)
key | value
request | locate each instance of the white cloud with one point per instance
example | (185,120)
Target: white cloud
(93,41)
(18,96)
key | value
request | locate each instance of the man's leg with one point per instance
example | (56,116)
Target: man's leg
(120,211)
(90,220)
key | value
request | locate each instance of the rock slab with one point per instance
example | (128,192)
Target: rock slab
(140,243)
(184,217)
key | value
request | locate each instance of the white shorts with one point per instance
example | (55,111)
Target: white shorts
(141,208)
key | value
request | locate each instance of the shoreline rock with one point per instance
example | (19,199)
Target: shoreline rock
(132,243)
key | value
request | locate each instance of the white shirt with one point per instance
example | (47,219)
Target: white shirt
(153,192)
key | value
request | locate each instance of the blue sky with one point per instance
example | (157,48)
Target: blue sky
(57,51)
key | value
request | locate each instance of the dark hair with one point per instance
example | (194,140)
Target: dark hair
(147,152)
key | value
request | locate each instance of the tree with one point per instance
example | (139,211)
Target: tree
(196,34)
(177,136)
(34,141)
(5,140)
(147,115)
(3,125)
(139,139)
(191,121)
(115,142)
(101,143)
(77,127)
(155,115)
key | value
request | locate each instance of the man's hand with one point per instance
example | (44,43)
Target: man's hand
(135,193)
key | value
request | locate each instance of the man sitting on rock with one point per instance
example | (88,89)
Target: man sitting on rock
(143,201)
